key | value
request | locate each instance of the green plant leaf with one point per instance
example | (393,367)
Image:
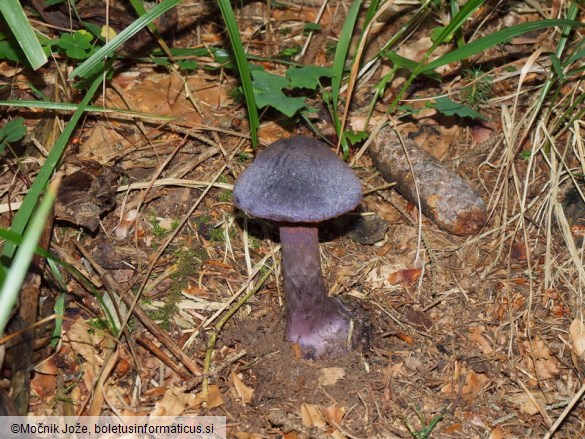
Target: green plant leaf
(268,92)
(15,276)
(229,18)
(356,136)
(494,39)
(23,216)
(23,32)
(108,49)
(404,63)
(451,108)
(187,64)
(307,77)
(13,131)
(9,50)
(341,55)
(76,45)
(311,27)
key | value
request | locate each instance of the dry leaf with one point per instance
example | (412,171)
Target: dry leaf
(44,386)
(577,331)
(526,403)
(472,386)
(173,403)
(481,131)
(333,415)
(213,398)
(48,366)
(404,337)
(330,375)
(406,277)
(477,337)
(540,360)
(126,222)
(245,435)
(244,392)
(311,416)
(518,251)
(497,433)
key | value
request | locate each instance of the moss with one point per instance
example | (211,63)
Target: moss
(225,196)
(217,234)
(188,263)
(242,156)
(158,231)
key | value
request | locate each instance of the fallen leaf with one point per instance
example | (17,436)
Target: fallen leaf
(577,331)
(311,416)
(407,277)
(497,433)
(540,360)
(48,366)
(213,398)
(404,337)
(329,376)
(481,131)
(173,403)
(44,386)
(244,392)
(518,251)
(472,386)
(526,403)
(245,435)
(125,225)
(477,337)
(333,414)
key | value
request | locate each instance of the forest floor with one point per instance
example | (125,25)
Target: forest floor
(469,336)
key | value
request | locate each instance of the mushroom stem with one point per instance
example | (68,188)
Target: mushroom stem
(318,323)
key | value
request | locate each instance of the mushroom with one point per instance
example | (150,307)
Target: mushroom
(298,182)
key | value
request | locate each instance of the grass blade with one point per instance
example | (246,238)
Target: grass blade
(341,55)
(66,106)
(22,217)
(494,39)
(243,67)
(23,32)
(15,277)
(122,37)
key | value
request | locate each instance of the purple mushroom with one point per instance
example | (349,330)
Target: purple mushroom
(298,182)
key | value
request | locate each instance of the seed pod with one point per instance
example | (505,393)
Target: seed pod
(445,197)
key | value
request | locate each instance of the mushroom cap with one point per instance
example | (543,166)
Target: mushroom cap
(297,179)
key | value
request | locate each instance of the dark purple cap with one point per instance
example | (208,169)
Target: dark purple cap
(298,179)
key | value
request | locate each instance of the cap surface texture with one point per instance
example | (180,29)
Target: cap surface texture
(297,179)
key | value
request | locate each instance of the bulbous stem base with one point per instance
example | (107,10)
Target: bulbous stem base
(322,326)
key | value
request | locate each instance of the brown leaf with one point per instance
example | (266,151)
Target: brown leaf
(406,277)
(540,360)
(311,416)
(477,337)
(577,331)
(472,386)
(333,414)
(44,386)
(213,398)
(330,375)
(173,403)
(244,392)
(518,251)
